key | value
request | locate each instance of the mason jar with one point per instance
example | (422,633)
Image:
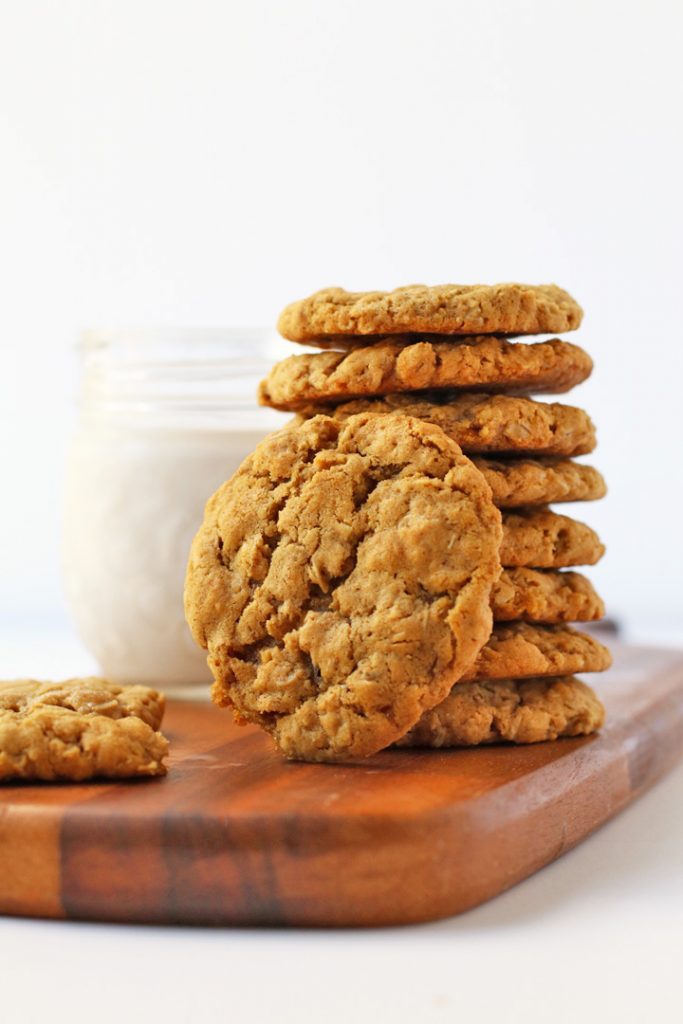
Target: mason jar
(166,416)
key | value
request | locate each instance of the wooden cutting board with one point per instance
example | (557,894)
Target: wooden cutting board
(234,835)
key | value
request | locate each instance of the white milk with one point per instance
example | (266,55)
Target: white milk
(158,435)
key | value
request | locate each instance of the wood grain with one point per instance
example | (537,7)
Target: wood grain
(234,835)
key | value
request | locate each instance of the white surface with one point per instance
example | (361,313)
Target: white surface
(204,162)
(594,937)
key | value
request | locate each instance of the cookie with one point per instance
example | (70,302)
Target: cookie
(497,424)
(334,316)
(341,581)
(510,711)
(542,595)
(541,539)
(80,729)
(483,363)
(519,482)
(519,649)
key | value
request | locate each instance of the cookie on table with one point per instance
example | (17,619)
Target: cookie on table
(390,366)
(80,729)
(341,581)
(522,482)
(510,711)
(545,596)
(540,539)
(335,317)
(484,423)
(517,650)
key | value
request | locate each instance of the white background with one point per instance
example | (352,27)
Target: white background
(202,163)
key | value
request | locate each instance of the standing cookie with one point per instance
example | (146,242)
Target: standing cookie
(341,581)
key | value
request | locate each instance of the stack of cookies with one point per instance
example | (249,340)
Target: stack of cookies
(387,569)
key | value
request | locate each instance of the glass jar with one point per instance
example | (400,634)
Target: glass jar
(165,417)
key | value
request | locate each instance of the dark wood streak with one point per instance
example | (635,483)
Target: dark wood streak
(234,835)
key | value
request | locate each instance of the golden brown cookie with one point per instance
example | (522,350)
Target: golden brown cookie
(482,363)
(334,316)
(518,649)
(519,482)
(511,711)
(80,729)
(497,424)
(541,539)
(341,581)
(546,596)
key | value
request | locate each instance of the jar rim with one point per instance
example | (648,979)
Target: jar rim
(98,337)
(175,375)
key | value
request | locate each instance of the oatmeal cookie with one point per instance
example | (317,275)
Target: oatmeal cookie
(546,596)
(334,316)
(484,424)
(80,729)
(481,363)
(341,581)
(521,482)
(519,649)
(511,711)
(541,539)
